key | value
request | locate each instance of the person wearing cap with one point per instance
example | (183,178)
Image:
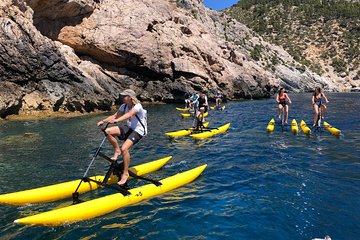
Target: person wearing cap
(136,128)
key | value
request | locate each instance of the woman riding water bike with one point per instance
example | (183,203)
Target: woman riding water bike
(136,128)
(317,101)
(218,99)
(282,98)
(203,108)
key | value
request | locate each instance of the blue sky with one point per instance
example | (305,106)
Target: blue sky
(219,4)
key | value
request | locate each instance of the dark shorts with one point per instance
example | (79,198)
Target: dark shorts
(128,133)
(318,104)
(205,108)
(284,103)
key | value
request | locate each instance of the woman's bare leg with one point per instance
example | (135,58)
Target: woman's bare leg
(125,152)
(111,133)
(279,110)
(316,109)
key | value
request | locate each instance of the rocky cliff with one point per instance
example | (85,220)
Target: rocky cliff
(77,55)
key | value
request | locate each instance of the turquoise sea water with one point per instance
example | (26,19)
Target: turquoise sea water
(256,185)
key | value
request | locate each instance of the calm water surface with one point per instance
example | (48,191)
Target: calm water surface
(256,185)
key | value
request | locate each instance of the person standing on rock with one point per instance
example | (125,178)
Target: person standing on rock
(136,128)
(282,98)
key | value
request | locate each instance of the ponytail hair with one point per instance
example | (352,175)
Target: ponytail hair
(135,100)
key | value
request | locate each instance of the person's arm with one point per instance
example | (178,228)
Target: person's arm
(125,116)
(206,101)
(287,96)
(277,98)
(195,100)
(110,119)
(326,100)
(313,99)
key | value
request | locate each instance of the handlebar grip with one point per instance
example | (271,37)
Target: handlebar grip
(104,128)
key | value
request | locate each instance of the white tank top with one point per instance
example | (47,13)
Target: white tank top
(138,122)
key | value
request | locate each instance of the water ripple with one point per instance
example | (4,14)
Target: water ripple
(256,185)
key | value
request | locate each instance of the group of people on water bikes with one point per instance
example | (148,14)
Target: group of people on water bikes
(317,99)
(191,100)
(136,116)
(136,127)
(198,103)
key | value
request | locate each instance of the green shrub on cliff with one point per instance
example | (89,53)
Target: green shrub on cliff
(256,53)
(332,26)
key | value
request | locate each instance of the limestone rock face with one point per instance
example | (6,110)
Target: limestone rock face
(77,55)
(35,69)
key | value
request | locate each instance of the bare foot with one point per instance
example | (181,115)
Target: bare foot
(116,155)
(124,178)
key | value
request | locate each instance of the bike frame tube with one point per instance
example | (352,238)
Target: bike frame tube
(318,122)
(283,117)
(94,156)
